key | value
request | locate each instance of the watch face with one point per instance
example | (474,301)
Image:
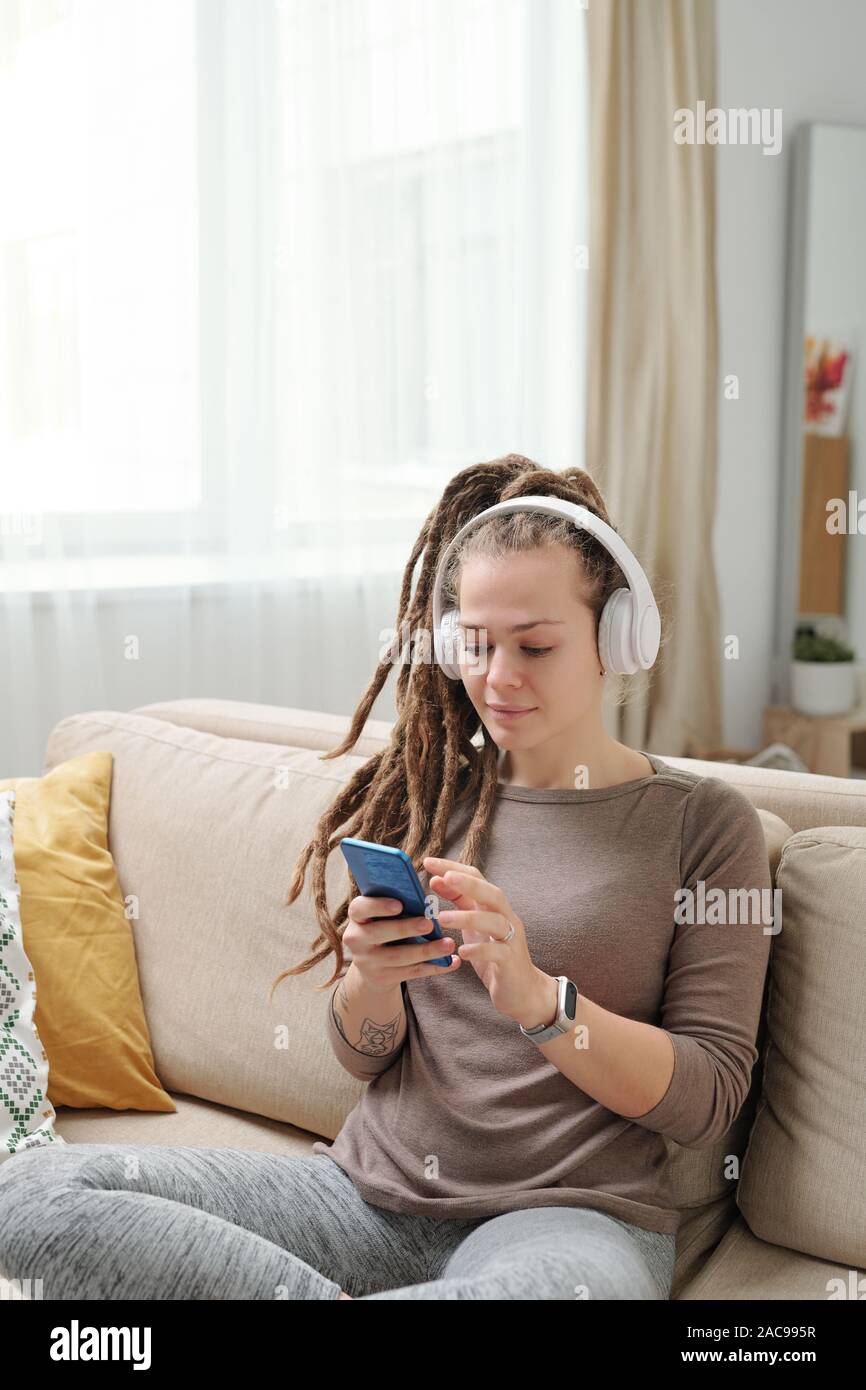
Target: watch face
(570,999)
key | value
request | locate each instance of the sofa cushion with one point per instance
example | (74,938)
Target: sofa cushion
(88,1010)
(195,1123)
(745,1267)
(26,1113)
(804,1175)
(205,832)
(299,728)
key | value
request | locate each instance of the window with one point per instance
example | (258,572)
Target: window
(264,267)
(99,360)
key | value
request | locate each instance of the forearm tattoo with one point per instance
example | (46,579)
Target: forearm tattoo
(376,1039)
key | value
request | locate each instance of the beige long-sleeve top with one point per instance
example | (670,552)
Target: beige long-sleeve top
(469,1118)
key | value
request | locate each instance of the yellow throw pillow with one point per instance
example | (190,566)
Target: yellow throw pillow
(89,1011)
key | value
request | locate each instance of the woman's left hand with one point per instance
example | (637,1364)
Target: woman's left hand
(482,913)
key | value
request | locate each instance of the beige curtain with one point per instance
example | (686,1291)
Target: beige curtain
(652,386)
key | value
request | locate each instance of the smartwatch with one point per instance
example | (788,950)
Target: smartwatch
(566,1009)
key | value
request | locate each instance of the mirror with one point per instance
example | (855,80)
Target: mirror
(822,511)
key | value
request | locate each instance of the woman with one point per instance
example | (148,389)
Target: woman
(512,1141)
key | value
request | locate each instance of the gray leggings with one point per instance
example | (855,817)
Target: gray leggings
(122,1221)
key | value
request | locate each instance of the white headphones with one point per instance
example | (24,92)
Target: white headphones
(630,627)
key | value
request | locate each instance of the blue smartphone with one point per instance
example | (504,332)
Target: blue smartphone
(383,872)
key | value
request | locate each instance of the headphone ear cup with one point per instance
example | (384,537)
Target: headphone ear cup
(446,643)
(615,634)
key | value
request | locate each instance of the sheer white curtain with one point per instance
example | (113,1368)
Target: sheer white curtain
(271,272)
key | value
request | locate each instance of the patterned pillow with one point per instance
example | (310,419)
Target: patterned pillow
(26,1114)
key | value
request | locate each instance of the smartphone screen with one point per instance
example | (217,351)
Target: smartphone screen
(381,871)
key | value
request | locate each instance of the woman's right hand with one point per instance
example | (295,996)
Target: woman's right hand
(382,967)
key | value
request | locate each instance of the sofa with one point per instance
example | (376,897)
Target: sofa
(211,802)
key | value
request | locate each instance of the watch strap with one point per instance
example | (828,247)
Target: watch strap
(545,1033)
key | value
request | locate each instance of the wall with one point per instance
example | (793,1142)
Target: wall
(808,60)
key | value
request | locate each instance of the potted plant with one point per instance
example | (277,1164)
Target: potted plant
(822,674)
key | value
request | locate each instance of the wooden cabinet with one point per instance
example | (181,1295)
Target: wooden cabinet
(822,554)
